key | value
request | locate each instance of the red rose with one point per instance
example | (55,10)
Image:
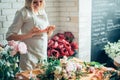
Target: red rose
(69,36)
(55,38)
(64,52)
(60,35)
(49,52)
(50,43)
(60,45)
(74,45)
(53,53)
(71,52)
(55,45)
(68,47)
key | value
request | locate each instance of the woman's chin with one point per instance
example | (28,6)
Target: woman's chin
(36,10)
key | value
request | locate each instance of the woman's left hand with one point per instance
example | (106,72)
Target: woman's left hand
(50,29)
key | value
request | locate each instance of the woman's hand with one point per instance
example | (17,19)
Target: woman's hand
(35,31)
(50,29)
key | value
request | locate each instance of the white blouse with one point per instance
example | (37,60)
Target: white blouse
(23,22)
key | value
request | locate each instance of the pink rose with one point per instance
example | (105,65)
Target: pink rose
(17,47)
(14,45)
(22,48)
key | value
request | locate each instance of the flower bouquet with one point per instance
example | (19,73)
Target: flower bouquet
(74,69)
(112,49)
(9,59)
(62,44)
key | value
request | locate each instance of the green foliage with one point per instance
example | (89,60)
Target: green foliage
(96,64)
(8,65)
(49,69)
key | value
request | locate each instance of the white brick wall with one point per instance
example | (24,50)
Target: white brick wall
(5,5)
(69,16)
(8,1)
(6,15)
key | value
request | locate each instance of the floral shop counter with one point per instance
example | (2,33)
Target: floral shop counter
(69,69)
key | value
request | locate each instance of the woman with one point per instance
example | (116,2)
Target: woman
(32,23)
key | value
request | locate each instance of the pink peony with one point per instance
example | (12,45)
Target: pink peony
(14,45)
(17,47)
(22,48)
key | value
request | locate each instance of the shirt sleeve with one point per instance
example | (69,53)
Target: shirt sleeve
(16,25)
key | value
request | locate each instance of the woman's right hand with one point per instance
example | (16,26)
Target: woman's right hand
(35,31)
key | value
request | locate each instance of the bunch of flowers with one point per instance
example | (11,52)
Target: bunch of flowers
(9,59)
(62,44)
(112,49)
(73,69)
(60,69)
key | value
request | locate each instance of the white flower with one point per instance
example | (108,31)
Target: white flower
(71,66)
(58,70)
(79,67)
(112,49)
(16,65)
(7,63)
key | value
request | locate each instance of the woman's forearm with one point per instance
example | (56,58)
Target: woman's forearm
(20,37)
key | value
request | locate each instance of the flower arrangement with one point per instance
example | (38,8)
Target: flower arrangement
(9,59)
(62,44)
(73,69)
(112,49)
